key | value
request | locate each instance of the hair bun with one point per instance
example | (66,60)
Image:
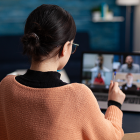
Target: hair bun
(30,43)
(47,27)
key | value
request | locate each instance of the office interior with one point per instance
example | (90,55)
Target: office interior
(97,30)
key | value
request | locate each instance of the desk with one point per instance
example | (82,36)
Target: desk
(131,136)
(131,121)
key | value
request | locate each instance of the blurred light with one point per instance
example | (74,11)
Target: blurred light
(128,2)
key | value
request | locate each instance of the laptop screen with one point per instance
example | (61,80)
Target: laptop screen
(98,69)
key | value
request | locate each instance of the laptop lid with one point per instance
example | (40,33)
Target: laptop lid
(98,70)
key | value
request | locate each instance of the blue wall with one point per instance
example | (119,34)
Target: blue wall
(103,36)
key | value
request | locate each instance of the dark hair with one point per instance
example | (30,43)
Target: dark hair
(46,28)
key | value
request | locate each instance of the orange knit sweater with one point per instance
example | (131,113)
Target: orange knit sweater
(69,112)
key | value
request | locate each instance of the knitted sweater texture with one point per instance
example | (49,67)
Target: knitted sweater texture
(68,112)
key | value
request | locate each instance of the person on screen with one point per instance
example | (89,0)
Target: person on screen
(98,80)
(99,65)
(129,67)
(129,85)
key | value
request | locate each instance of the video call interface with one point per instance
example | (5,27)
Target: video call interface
(99,69)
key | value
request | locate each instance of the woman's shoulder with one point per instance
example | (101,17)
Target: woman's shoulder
(7,78)
(7,82)
(79,88)
(83,94)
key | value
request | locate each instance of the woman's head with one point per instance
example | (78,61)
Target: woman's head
(47,28)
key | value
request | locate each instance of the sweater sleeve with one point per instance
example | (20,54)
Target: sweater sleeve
(96,125)
(3,135)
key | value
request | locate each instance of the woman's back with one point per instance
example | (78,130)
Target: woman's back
(52,113)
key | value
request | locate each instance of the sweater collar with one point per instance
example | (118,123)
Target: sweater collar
(41,76)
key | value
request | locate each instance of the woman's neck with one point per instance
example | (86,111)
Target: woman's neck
(44,66)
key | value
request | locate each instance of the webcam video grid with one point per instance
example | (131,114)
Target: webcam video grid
(98,70)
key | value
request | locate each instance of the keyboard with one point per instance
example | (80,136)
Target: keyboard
(130,100)
(101,98)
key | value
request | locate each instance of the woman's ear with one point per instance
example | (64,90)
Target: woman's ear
(65,48)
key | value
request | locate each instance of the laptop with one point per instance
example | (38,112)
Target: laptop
(99,68)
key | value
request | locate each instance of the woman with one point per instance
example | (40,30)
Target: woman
(38,105)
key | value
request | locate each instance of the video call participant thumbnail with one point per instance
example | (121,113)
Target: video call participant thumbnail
(99,65)
(129,67)
(129,85)
(99,80)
